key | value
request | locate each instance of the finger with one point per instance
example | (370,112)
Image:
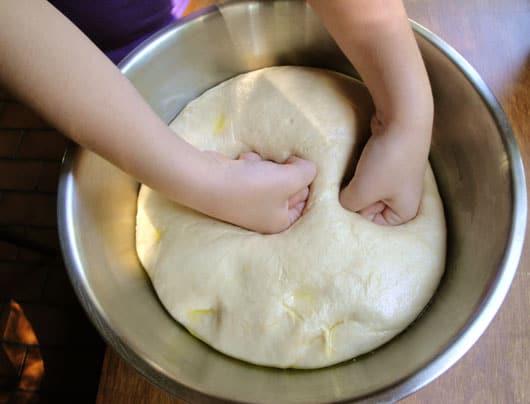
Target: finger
(391,218)
(357,196)
(250,156)
(302,172)
(379,219)
(216,155)
(389,211)
(371,211)
(292,159)
(300,196)
(381,213)
(295,212)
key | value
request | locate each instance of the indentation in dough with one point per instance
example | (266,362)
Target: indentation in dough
(281,273)
(196,315)
(293,314)
(266,326)
(219,124)
(327,335)
(303,296)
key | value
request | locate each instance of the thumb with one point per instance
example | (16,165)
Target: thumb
(356,197)
(366,201)
(301,172)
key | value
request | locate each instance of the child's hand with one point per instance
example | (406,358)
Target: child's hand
(388,181)
(260,195)
(377,38)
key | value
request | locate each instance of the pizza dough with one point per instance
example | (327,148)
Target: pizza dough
(328,289)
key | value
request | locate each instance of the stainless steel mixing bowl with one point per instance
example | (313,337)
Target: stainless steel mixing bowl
(475,158)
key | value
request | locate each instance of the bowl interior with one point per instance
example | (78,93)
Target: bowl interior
(473,156)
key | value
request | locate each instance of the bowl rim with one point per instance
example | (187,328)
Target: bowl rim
(462,342)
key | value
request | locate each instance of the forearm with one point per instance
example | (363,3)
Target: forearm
(376,36)
(49,64)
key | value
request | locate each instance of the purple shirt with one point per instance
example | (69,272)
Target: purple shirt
(118,26)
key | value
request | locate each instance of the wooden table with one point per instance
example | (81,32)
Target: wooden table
(494,36)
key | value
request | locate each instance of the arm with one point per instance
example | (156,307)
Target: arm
(50,65)
(376,36)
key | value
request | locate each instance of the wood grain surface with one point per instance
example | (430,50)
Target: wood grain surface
(494,36)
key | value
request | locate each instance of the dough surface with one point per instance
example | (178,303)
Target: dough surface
(330,288)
